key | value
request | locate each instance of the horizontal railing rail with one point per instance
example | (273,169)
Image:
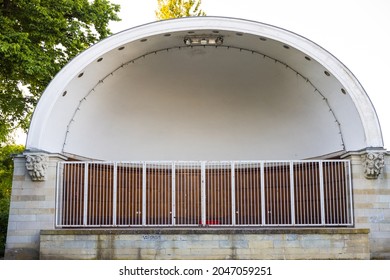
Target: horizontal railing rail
(204,193)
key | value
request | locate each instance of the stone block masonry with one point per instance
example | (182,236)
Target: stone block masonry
(205,244)
(372,205)
(32,209)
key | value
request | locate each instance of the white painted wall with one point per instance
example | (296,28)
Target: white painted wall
(203,104)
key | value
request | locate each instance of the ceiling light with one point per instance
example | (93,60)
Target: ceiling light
(203,40)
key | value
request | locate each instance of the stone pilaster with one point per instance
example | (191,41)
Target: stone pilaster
(371,196)
(32,205)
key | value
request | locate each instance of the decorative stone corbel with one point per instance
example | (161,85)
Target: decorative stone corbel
(37,165)
(373,164)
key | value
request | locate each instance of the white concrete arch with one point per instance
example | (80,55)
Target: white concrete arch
(264,93)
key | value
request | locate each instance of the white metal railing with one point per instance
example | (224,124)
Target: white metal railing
(204,193)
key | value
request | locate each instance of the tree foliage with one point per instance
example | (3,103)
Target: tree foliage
(6,173)
(37,38)
(178,8)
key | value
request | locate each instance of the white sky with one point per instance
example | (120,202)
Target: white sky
(357,32)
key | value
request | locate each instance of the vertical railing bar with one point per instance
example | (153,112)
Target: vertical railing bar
(196,193)
(149,187)
(233,188)
(124,178)
(102,178)
(74,200)
(228,197)
(131,188)
(154,188)
(59,187)
(130,183)
(188,190)
(218,186)
(193,192)
(173,194)
(310,200)
(307,196)
(257,199)
(343,192)
(78,201)
(333,195)
(155,194)
(106,195)
(273,210)
(304,187)
(184,192)
(203,192)
(118,195)
(91,195)
(138,190)
(133,194)
(96,187)
(292,195)
(287,192)
(160,194)
(250,194)
(337,189)
(74,181)
(224,190)
(189,167)
(322,196)
(167,194)
(349,183)
(192,215)
(167,203)
(262,193)
(215,196)
(277,191)
(70,196)
(99,194)
(284,194)
(315,193)
(66,197)
(85,210)
(114,194)
(242,211)
(242,194)
(302,192)
(258,195)
(155,221)
(144,193)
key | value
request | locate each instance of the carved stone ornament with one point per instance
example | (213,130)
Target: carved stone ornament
(37,165)
(373,164)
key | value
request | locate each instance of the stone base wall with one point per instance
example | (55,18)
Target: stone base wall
(205,244)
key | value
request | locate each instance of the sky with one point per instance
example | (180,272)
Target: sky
(357,32)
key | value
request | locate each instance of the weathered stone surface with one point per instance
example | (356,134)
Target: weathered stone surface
(151,244)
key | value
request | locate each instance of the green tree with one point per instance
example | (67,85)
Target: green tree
(178,8)
(37,38)
(6,173)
